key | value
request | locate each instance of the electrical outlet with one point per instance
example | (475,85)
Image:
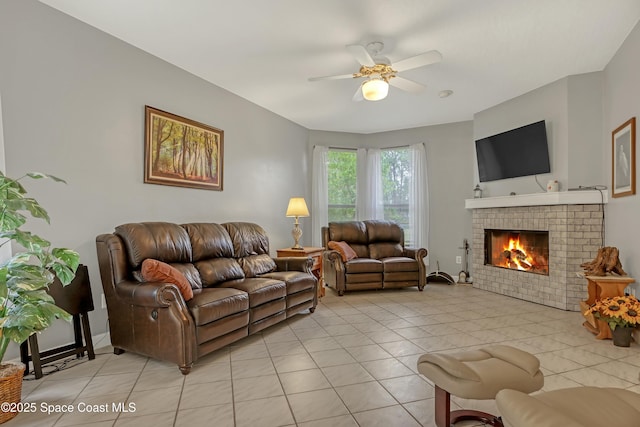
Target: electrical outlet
(458,260)
(103,301)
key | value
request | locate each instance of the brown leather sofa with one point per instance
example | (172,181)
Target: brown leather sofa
(238,288)
(382,260)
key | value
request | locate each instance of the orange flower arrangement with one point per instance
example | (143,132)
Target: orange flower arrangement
(621,311)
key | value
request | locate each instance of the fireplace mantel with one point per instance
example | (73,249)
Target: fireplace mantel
(586,197)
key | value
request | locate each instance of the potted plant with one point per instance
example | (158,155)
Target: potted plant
(622,314)
(25,305)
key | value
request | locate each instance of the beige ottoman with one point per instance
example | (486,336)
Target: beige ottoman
(478,374)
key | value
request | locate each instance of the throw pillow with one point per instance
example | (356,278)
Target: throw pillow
(158,271)
(345,251)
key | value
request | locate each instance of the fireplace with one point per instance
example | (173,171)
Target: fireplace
(572,222)
(517,250)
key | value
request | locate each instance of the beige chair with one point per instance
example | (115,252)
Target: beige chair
(571,407)
(478,374)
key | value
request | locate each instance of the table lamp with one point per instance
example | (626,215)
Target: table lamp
(297,208)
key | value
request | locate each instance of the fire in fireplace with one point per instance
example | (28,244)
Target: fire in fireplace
(517,250)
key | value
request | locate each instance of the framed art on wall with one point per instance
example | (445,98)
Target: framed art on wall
(182,152)
(623,170)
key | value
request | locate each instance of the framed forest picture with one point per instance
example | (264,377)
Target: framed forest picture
(182,152)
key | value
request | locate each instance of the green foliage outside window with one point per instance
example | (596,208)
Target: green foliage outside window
(342,185)
(396,173)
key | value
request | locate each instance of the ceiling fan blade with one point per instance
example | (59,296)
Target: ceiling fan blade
(421,60)
(341,76)
(361,55)
(407,85)
(357,97)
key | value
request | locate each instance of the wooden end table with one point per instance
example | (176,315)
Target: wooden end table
(600,287)
(305,252)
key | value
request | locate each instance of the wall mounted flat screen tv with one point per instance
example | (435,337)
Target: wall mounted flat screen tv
(517,152)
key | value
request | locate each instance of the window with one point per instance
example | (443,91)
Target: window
(341,173)
(392,185)
(395,165)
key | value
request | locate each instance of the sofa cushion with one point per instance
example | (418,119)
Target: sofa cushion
(296,281)
(248,239)
(363,265)
(343,248)
(217,270)
(399,264)
(384,231)
(211,304)
(255,265)
(163,241)
(209,240)
(158,271)
(260,290)
(348,231)
(385,250)
(190,272)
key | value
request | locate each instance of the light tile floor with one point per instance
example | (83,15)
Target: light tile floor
(351,363)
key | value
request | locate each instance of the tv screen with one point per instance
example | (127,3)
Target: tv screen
(518,152)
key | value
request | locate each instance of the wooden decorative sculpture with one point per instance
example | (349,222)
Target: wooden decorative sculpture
(607,261)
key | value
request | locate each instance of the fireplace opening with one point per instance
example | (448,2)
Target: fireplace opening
(517,250)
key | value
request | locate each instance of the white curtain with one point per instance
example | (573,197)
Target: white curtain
(419,198)
(319,194)
(369,201)
(361,184)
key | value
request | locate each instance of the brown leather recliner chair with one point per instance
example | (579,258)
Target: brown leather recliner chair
(382,260)
(238,289)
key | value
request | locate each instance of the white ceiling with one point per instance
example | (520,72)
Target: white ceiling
(264,51)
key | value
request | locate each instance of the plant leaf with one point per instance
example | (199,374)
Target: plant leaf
(26,239)
(40,175)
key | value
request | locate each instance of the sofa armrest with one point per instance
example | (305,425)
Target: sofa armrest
(334,256)
(416,253)
(148,294)
(294,264)
(333,270)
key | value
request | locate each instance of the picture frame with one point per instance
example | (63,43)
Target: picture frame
(623,162)
(182,152)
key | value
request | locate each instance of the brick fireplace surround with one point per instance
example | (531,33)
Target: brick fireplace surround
(574,223)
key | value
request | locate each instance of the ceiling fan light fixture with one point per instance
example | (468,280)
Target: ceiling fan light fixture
(375,89)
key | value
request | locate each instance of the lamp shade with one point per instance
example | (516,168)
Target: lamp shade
(375,89)
(297,207)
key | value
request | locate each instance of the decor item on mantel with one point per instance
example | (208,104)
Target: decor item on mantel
(622,314)
(25,306)
(477,192)
(606,262)
(297,208)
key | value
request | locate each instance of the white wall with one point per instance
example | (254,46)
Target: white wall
(449,161)
(584,117)
(73,104)
(621,102)
(572,109)
(5,249)
(546,103)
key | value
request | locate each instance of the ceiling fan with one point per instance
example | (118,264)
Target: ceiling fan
(379,73)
